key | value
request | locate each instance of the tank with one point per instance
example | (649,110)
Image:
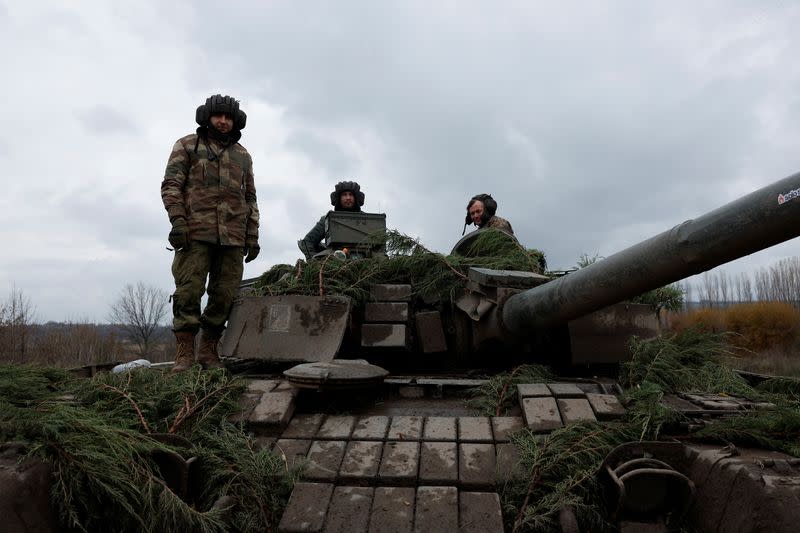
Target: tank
(401,410)
(372,389)
(575,319)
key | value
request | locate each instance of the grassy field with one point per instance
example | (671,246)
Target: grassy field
(773,362)
(763,337)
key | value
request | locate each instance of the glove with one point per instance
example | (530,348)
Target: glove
(179,235)
(251,250)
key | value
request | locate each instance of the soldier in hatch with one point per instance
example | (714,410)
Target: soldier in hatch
(210,196)
(346,196)
(481,211)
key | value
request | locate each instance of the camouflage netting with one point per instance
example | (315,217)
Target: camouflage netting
(434,277)
(106,439)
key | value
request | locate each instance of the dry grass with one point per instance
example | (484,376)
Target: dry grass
(707,319)
(766,335)
(772,362)
(764,326)
(71,344)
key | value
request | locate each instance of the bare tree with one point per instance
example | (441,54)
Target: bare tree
(744,290)
(722,283)
(687,289)
(736,288)
(710,289)
(777,283)
(139,311)
(780,282)
(785,280)
(16,321)
(761,285)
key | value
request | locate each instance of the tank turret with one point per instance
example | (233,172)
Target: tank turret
(579,318)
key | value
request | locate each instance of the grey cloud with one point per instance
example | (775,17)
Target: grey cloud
(325,151)
(299,203)
(83,288)
(110,218)
(102,120)
(624,132)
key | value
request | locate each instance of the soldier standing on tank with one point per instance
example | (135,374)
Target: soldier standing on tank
(346,196)
(481,211)
(210,196)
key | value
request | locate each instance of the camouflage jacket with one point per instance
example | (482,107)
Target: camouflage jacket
(312,243)
(216,197)
(497,222)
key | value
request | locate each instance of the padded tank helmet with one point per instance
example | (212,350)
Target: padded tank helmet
(489,208)
(351,186)
(221,104)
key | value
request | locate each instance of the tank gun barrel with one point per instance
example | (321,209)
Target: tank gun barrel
(761,219)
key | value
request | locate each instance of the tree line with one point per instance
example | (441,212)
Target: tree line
(136,330)
(777,283)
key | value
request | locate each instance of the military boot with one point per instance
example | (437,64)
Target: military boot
(184,351)
(207,354)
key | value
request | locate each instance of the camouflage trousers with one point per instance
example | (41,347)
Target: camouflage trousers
(223,267)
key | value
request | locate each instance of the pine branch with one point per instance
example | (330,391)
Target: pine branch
(133,403)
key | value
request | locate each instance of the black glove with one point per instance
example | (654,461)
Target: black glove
(179,235)
(251,249)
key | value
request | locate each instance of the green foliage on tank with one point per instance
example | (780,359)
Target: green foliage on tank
(433,276)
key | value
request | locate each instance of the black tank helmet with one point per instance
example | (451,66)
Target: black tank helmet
(489,209)
(351,186)
(221,104)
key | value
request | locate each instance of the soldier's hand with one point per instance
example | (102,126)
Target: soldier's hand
(251,250)
(179,235)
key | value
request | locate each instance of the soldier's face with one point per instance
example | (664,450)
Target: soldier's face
(476,212)
(222,122)
(347,199)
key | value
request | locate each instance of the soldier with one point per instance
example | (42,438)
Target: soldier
(346,196)
(210,197)
(481,211)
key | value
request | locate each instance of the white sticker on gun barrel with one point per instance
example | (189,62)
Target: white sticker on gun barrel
(791,195)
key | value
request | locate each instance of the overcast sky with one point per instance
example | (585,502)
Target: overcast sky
(594,125)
